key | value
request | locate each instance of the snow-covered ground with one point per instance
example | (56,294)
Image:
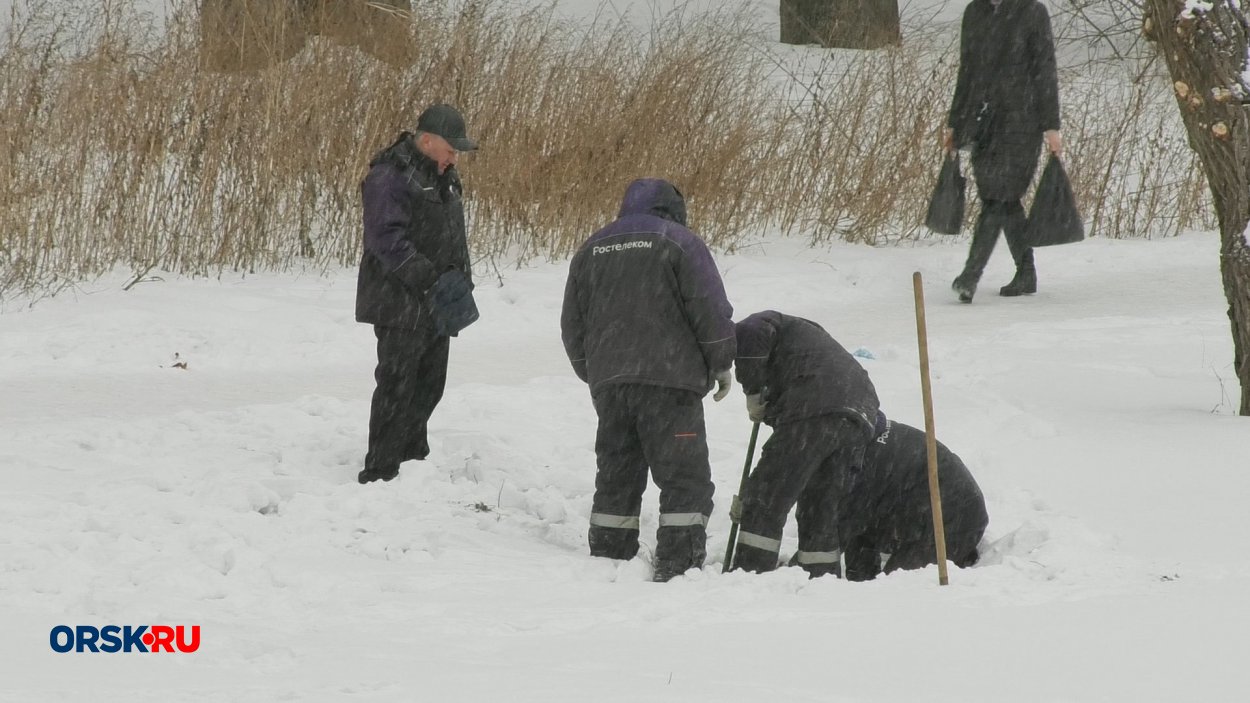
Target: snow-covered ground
(1097,416)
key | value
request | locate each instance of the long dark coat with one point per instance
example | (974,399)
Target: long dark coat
(1007,65)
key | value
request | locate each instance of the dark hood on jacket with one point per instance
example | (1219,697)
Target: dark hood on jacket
(654,196)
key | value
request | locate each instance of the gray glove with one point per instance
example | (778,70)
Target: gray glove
(756,408)
(724,381)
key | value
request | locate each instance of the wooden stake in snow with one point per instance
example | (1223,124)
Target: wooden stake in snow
(930,439)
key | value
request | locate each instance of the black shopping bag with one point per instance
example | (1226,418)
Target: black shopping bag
(946,208)
(1053,218)
(454,307)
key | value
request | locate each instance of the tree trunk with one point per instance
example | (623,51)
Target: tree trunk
(843,24)
(248,35)
(378,27)
(251,35)
(1206,52)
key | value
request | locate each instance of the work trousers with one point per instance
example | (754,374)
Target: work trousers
(411,375)
(651,428)
(811,462)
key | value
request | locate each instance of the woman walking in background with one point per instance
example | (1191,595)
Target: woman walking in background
(1006,103)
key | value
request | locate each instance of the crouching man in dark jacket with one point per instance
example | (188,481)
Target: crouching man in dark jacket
(888,523)
(647,325)
(823,410)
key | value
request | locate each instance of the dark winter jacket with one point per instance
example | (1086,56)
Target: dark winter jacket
(1007,67)
(801,371)
(414,231)
(644,302)
(891,491)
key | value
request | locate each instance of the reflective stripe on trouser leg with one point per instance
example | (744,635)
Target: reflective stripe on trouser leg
(750,539)
(617,522)
(811,558)
(683,520)
(756,552)
(613,536)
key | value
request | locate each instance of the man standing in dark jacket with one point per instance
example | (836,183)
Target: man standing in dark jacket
(1006,103)
(647,325)
(888,521)
(414,238)
(823,410)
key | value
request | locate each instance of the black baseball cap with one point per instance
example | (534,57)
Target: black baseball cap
(446,122)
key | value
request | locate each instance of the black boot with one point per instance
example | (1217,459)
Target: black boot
(983,239)
(612,543)
(1025,280)
(1023,283)
(965,286)
(678,549)
(370,475)
(666,571)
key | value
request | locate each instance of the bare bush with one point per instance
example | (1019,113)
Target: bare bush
(1109,31)
(1129,161)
